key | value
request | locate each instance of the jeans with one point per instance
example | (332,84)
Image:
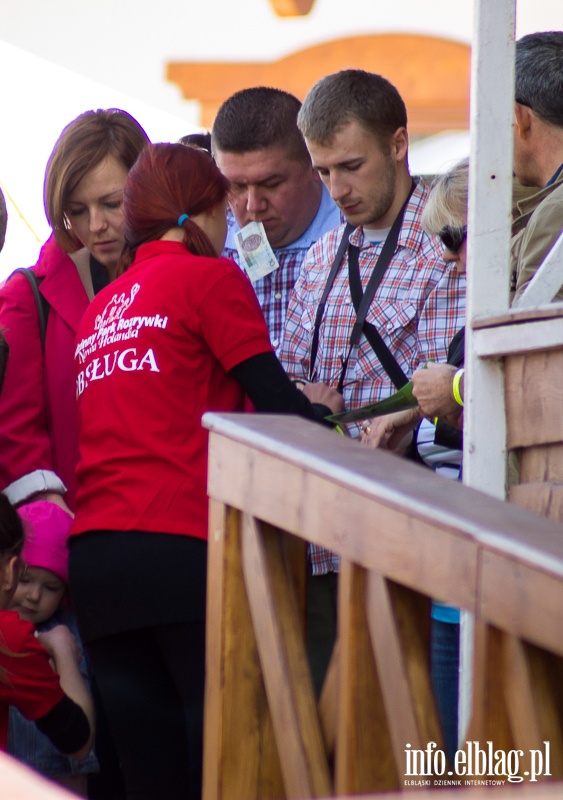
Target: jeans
(444,666)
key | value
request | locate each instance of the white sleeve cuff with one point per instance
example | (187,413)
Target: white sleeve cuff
(41,480)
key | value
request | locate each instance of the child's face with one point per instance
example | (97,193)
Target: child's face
(38,594)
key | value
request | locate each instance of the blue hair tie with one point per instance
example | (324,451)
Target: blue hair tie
(182,219)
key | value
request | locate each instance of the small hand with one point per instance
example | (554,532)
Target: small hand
(60,643)
(325,395)
(392,431)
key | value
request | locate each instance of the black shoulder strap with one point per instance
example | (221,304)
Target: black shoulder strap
(362,300)
(40,301)
(343,244)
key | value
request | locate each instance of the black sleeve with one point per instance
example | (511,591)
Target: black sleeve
(271,390)
(66,725)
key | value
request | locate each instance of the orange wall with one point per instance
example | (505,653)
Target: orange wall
(431,74)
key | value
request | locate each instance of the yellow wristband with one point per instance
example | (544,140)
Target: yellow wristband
(455,387)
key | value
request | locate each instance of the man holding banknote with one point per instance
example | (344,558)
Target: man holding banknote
(278,203)
(374,298)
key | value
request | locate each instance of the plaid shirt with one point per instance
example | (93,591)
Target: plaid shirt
(274,290)
(418,307)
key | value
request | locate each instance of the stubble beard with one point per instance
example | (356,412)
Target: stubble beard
(384,200)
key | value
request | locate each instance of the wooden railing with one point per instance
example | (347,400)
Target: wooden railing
(404,536)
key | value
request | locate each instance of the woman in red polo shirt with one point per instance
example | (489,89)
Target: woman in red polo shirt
(178,334)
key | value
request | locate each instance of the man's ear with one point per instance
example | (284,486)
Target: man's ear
(400,144)
(522,120)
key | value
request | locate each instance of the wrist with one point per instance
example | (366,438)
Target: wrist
(457,387)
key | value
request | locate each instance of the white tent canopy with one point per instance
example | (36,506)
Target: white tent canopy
(39,99)
(436,154)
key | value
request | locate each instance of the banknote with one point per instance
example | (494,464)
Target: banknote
(255,252)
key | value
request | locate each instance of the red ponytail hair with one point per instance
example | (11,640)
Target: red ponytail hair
(167,181)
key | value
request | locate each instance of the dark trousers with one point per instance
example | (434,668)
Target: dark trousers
(322,591)
(151,682)
(445,679)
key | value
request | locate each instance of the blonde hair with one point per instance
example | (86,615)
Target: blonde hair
(447,204)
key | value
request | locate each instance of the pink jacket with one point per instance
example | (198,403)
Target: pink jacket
(38,414)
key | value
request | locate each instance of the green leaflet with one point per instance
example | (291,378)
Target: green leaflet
(402,399)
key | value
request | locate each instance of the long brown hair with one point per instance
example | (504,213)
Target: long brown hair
(169,183)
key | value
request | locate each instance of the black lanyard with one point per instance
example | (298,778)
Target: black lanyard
(363,300)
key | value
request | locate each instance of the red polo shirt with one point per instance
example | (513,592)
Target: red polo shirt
(153,353)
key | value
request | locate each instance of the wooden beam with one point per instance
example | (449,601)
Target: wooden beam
(280,641)
(399,624)
(364,755)
(236,707)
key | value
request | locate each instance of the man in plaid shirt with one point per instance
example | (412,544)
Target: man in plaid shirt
(258,146)
(355,128)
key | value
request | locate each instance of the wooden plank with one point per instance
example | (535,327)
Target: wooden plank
(364,756)
(533,697)
(370,506)
(519,698)
(391,668)
(544,499)
(412,613)
(354,525)
(488,250)
(236,708)
(522,600)
(398,621)
(516,316)
(497,342)
(541,463)
(546,675)
(287,678)
(534,398)
(490,721)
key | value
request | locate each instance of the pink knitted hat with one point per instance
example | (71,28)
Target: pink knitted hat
(46,534)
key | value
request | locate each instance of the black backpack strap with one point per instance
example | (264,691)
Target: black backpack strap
(40,301)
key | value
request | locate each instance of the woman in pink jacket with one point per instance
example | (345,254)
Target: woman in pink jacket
(83,195)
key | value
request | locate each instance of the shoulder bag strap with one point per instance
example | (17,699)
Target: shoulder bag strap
(40,301)
(343,244)
(362,301)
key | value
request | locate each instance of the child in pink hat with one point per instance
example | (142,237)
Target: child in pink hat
(40,598)
(43,581)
